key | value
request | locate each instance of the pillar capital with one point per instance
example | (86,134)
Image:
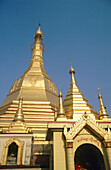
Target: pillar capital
(108,144)
(69,144)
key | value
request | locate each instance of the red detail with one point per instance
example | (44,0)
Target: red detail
(108,146)
(79,167)
(34,159)
(103,122)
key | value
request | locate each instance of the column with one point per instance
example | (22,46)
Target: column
(70,156)
(108,150)
(59,157)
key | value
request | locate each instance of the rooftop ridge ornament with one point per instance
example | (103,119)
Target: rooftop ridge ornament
(103,113)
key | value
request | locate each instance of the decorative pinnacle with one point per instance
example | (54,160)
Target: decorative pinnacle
(39,31)
(72,72)
(60,94)
(61,109)
(99,95)
(71,69)
(102,111)
(19,114)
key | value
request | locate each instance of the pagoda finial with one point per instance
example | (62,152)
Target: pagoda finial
(72,72)
(99,95)
(37,51)
(39,31)
(71,69)
(103,113)
(61,112)
(19,114)
(61,109)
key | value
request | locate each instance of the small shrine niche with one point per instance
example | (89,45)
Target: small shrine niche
(12,154)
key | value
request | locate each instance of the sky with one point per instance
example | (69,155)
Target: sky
(73,30)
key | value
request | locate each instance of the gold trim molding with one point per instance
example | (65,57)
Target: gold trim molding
(20,150)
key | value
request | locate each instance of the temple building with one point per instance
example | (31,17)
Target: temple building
(38,130)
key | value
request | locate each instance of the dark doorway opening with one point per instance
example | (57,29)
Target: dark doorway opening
(42,160)
(12,154)
(89,157)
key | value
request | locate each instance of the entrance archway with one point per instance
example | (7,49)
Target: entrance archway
(89,157)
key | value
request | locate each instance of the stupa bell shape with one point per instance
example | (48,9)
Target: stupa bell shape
(34,84)
(75,104)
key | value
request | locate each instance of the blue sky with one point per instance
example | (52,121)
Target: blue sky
(76,29)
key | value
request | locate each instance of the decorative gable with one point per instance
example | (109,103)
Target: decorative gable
(85,121)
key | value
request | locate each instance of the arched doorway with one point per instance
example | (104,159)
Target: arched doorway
(12,154)
(9,144)
(89,157)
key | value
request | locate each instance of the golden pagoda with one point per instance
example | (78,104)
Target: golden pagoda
(39,93)
(39,131)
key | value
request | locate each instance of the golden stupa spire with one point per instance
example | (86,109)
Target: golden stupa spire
(18,124)
(75,102)
(102,111)
(19,114)
(34,84)
(72,72)
(37,51)
(61,112)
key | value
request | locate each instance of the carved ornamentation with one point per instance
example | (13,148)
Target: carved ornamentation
(80,124)
(15,85)
(52,86)
(20,150)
